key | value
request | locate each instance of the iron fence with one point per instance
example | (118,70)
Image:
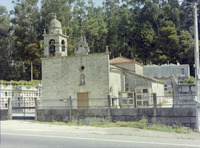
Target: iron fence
(109,102)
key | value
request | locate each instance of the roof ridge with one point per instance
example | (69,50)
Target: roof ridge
(115,60)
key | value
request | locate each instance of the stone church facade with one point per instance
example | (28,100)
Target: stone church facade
(83,76)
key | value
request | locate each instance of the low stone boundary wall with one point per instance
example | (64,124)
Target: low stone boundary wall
(4,114)
(168,116)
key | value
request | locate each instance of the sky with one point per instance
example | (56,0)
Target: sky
(8,3)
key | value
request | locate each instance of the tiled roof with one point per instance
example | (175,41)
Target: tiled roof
(123,60)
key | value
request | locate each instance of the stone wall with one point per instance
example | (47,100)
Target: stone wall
(4,114)
(133,81)
(61,77)
(186,89)
(168,116)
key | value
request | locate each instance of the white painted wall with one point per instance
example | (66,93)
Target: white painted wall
(158,88)
(115,84)
(138,69)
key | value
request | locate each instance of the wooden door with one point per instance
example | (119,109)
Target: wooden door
(82,100)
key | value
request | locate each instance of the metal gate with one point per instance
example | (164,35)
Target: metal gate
(23,109)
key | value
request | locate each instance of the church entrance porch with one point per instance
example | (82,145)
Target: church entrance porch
(82,100)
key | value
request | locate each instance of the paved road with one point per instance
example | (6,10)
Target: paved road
(27,134)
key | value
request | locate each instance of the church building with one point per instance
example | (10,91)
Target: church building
(90,77)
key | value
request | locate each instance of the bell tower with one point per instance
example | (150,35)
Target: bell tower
(82,47)
(55,43)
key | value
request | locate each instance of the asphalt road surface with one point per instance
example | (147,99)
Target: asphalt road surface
(29,134)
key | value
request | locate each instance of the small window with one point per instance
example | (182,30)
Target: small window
(145,97)
(82,68)
(139,97)
(131,101)
(139,102)
(130,95)
(182,70)
(165,85)
(145,102)
(165,89)
(124,101)
(138,91)
(82,79)
(145,91)
(6,93)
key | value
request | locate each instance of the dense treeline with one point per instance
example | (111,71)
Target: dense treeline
(150,31)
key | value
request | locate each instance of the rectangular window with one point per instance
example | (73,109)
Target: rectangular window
(145,102)
(145,97)
(139,97)
(124,101)
(182,70)
(165,85)
(138,91)
(5,93)
(131,101)
(139,102)
(145,90)
(130,95)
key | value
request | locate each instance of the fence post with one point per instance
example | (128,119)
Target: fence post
(154,104)
(9,109)
(109,115)
(36,107)
(154,100)
(70,108)
(154,119)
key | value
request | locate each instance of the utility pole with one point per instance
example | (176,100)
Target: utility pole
(197,76)
(31,71)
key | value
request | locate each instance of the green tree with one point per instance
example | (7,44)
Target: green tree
(24,23)
(190,80)
(5,34)
(167,43)
(7,70)
(186,53)
(112,18)
(95,28)
(144,36)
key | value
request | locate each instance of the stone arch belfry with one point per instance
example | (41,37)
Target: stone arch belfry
(82,47)
(55,42)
